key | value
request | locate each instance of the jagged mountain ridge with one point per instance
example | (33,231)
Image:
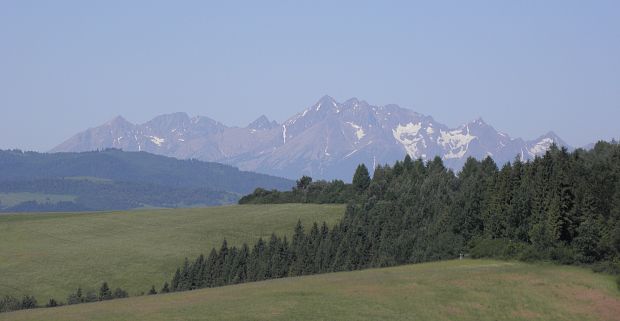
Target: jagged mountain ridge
(325,140)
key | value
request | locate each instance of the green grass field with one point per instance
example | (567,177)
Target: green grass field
(449,290)
(50,255)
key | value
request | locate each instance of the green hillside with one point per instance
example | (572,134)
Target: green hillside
(50,255)
(117,165)
(450,290)
(116,180)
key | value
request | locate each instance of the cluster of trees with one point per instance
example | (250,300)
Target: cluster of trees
(320,192)
(563,207)
(10,303)
(274,258)
(105,293)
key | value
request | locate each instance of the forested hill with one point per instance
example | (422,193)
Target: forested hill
(141,167)
(562,206)
(113,179)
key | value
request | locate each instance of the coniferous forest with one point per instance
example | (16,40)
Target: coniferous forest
(563,207)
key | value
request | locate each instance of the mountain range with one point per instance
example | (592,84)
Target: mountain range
(326,140)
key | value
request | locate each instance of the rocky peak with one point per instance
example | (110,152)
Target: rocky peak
(261,123)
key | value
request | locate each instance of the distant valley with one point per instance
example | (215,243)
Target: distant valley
(326,140)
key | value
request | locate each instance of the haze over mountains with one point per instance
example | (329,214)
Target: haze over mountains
(325,140)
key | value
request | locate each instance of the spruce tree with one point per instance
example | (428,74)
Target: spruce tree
(361,178)
(612,233)
(91,296)
(299,250)
(176,280)
(9,303)
(165,288)
(104,292)
(210,271)
(587,242)
(197,271)
(407,162)
(273,256)
(28,302)
(219,269)
(185,280)
(229,265)
(120,293)
(76,297)
(241,264)
(52,303)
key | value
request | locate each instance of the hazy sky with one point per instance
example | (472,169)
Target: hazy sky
(526,67)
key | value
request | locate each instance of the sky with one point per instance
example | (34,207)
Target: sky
(526,67)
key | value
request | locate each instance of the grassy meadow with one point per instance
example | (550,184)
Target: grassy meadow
(448,290)
(50,255)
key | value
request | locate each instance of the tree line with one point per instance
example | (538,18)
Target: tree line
(10,303)
(562,207)
(318,192)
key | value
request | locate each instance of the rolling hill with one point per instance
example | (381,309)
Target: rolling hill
(50,255)
(451,290)
(113,180)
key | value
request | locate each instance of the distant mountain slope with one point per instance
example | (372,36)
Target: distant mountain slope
(326,140)
(86,194)
(135,167)
(113,179)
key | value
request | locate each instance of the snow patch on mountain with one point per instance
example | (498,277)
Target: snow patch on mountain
(351,153)
(456,142)
(407,135)
(542,146)
(409,129)
(326,147)
(359,131)
(157,140)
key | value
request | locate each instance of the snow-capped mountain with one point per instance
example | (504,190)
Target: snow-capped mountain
(326,140)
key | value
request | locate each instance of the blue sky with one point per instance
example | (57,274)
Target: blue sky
(526,67)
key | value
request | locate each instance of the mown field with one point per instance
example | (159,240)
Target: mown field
(449,290)
(50,255)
